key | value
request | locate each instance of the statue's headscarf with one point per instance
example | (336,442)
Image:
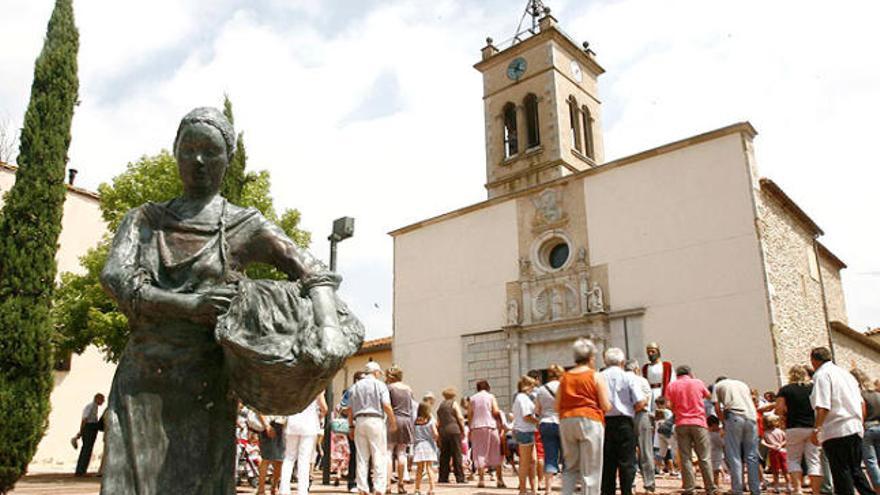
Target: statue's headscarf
(214,118)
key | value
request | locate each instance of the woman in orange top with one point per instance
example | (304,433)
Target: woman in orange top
(582,401)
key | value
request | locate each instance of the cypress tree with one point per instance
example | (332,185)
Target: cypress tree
(29,229)
(236,177)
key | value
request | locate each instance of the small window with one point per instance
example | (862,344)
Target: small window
(558,255)
(553,253)
(511,146)
(533,136)
(574,121)
(588,133)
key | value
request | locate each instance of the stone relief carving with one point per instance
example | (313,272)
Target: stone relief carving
(557,305)
(582,256)
(584,294)
(595,299)
(525,267)
(513,312)
(548,209)
(571,301)
(540,306)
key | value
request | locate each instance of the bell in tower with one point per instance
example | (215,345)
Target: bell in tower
(540,105)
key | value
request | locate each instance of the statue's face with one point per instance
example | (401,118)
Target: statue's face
(653,354)
(201,159)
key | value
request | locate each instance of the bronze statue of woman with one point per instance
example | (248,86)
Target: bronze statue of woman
(176,271)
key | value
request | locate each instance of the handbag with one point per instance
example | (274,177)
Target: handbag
(666,427)
(339,425)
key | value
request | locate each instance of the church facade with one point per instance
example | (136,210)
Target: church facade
(684,244)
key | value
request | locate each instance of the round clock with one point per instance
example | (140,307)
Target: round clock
(516,69)
(576,71)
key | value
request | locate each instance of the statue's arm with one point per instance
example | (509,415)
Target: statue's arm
(121,277)
(318,282)
(130,285)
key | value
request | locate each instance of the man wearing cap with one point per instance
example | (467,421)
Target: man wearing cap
(658,373)
(370,406)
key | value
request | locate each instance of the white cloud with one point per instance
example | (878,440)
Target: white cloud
(802,72)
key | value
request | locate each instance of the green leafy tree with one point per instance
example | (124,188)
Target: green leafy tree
(29,230)
(236,179)
(83,313)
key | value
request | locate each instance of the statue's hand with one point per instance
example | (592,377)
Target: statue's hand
(214,301)
(202,307)
(333,341)
(205,306)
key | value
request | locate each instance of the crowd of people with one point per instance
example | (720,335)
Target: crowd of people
(618,427)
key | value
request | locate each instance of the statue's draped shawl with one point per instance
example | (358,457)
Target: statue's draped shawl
(171,411)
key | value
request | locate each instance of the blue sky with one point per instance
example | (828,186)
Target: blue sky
(372,109)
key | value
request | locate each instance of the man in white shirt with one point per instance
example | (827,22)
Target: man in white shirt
(840,410)
(644,427)
(88,431)
(619,451)
(370,406)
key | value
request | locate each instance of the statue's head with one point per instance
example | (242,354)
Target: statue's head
(653,352)
(203,146)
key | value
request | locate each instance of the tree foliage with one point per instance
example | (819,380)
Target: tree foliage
(236,179)
(29,230)
(83,314)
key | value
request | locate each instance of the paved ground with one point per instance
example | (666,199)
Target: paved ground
(66,484)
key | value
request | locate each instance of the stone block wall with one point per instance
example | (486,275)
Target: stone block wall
(798,316)
(834,298)
(485,356)
(849,352)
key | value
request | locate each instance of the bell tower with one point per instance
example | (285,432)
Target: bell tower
(541,107)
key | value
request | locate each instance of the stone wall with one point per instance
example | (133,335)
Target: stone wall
(851,351)
(485,356)
(798,316)
(834,297)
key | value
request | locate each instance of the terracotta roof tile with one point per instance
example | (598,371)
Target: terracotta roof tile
(376,344)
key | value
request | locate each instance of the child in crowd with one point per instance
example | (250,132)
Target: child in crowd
(339,449)
(466,463)
(716,443)
(774,440)
(665,422)
(425,450)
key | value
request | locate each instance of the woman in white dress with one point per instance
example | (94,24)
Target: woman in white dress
(302,432)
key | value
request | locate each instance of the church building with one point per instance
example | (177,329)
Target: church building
(685,245)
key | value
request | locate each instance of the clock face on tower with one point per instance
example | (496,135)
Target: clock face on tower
(516,69)
(576,71)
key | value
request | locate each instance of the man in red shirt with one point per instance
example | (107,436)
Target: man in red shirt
(686,395)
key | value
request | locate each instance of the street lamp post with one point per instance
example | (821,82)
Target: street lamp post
(343,228)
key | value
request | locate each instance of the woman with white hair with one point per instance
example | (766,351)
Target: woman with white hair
(581,401)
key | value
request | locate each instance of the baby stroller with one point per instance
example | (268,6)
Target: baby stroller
(248,458)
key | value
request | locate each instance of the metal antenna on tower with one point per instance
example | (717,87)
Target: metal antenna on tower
(534,9)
